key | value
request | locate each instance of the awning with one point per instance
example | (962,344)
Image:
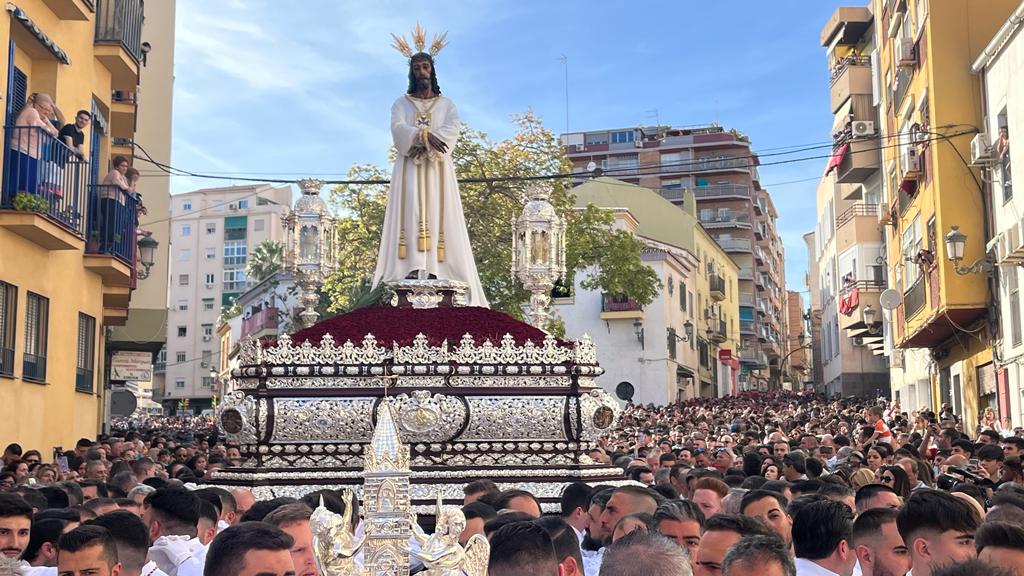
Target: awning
(837,157)
(842,117)
(684,371)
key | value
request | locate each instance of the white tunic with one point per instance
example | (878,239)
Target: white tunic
(424,209)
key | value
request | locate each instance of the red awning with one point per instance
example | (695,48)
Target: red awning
(837,157)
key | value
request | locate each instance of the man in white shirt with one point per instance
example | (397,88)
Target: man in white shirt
(171,516)
(132,541)
(938,529)
(822,532)
(758,556)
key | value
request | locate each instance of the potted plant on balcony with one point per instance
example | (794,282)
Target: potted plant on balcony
(93,243)
(30,203)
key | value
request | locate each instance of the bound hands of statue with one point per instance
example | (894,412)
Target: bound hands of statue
(436,143)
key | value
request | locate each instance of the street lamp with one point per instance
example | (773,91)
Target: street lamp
(147,255)
(956,242)
(538,250)
(687,331)
(310,246)
(868,314)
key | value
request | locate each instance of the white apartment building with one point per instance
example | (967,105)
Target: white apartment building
(213,231)
(1003,104)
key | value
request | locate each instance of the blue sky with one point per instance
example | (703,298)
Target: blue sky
(284,89)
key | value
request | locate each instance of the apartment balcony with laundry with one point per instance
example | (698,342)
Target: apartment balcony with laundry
(43,197)
(854,297)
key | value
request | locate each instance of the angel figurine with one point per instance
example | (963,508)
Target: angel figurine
(441,552)
(334,544)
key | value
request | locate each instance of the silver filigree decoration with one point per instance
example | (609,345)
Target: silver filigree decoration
(508,353)
(427,293)
(250,352)
(426,418)
(245,405)
(509,381)
(420,352)
(322,419)
(285,352)
(519,418)
(325,382)
(585,351)
(594,409)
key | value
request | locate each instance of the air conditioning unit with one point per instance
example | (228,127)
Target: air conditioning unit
(204,364)
(233,207)
(862,128)
(910,163)
(209,285)
(981,150)
(906,56)
(638,142)
(858,341)
(1013,244)
(580,147)
(207,338)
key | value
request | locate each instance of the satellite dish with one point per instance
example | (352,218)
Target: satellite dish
(625,391)
(591,166)
(889,299)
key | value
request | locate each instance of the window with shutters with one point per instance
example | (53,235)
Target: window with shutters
(17,94)
(86,353)
(180,357)
(8,316)
(37,317)
(1013,289)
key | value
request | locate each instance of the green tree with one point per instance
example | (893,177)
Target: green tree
(609,259)
(265,260)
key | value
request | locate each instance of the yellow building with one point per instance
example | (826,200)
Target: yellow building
(929,108)
(67,244)
(693,320)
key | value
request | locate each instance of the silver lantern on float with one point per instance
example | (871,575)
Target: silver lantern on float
(538,250)
(311,253)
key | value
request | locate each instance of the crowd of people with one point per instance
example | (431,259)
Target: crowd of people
(766,484)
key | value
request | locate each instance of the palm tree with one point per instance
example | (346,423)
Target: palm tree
(266,259)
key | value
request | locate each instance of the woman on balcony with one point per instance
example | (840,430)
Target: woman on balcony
(26,144)
(112,196)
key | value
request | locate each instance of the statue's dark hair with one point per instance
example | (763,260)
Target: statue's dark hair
(433,74)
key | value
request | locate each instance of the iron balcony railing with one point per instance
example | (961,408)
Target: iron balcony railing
(120,21)
(113,215)
(33,367)
(746,299)
(913,298)
(717,190)
(747,326)
(716,283)
(859,209)
(845,63)
(7,361)
(618,304)
(726,220)
(265,319)
(43,175)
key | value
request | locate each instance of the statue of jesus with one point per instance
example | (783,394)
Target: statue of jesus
(424,233)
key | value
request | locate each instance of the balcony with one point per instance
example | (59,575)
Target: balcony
(746,273)
(261,323)
(867,295)
(118,40)
(754,357)
(112,221)
(718,331)
(43,197)
(70,9)
(726,220)
(717,287)
(719,164)
(913,298)
(747,300)
(122,113)
(846,26)
(722,191)
(747,327)
(861,160)
(851,76)
(735,244)
(855,211)
(620,307)
(760,206)
(759,255)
